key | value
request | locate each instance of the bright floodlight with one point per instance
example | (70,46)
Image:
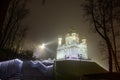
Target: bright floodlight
(42,46)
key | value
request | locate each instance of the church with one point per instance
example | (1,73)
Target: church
(72,61)
(71,47)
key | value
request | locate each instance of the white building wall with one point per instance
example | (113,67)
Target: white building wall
(72,48)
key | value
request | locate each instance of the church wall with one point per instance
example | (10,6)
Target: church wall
(72,49)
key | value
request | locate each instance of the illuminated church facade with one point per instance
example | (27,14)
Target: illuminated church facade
(71,47)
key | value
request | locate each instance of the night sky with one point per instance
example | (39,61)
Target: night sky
(47,22)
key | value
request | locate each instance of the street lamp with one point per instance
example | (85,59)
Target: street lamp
(42,46)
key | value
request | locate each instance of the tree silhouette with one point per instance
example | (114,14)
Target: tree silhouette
(12,30)
(104,14)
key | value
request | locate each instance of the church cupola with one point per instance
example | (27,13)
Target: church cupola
(71,48)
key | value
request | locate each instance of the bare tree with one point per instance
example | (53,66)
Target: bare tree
(3,9)
(12,31)
(104,14)
(43,2)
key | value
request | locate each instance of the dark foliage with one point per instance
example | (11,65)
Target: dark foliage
(7,54)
